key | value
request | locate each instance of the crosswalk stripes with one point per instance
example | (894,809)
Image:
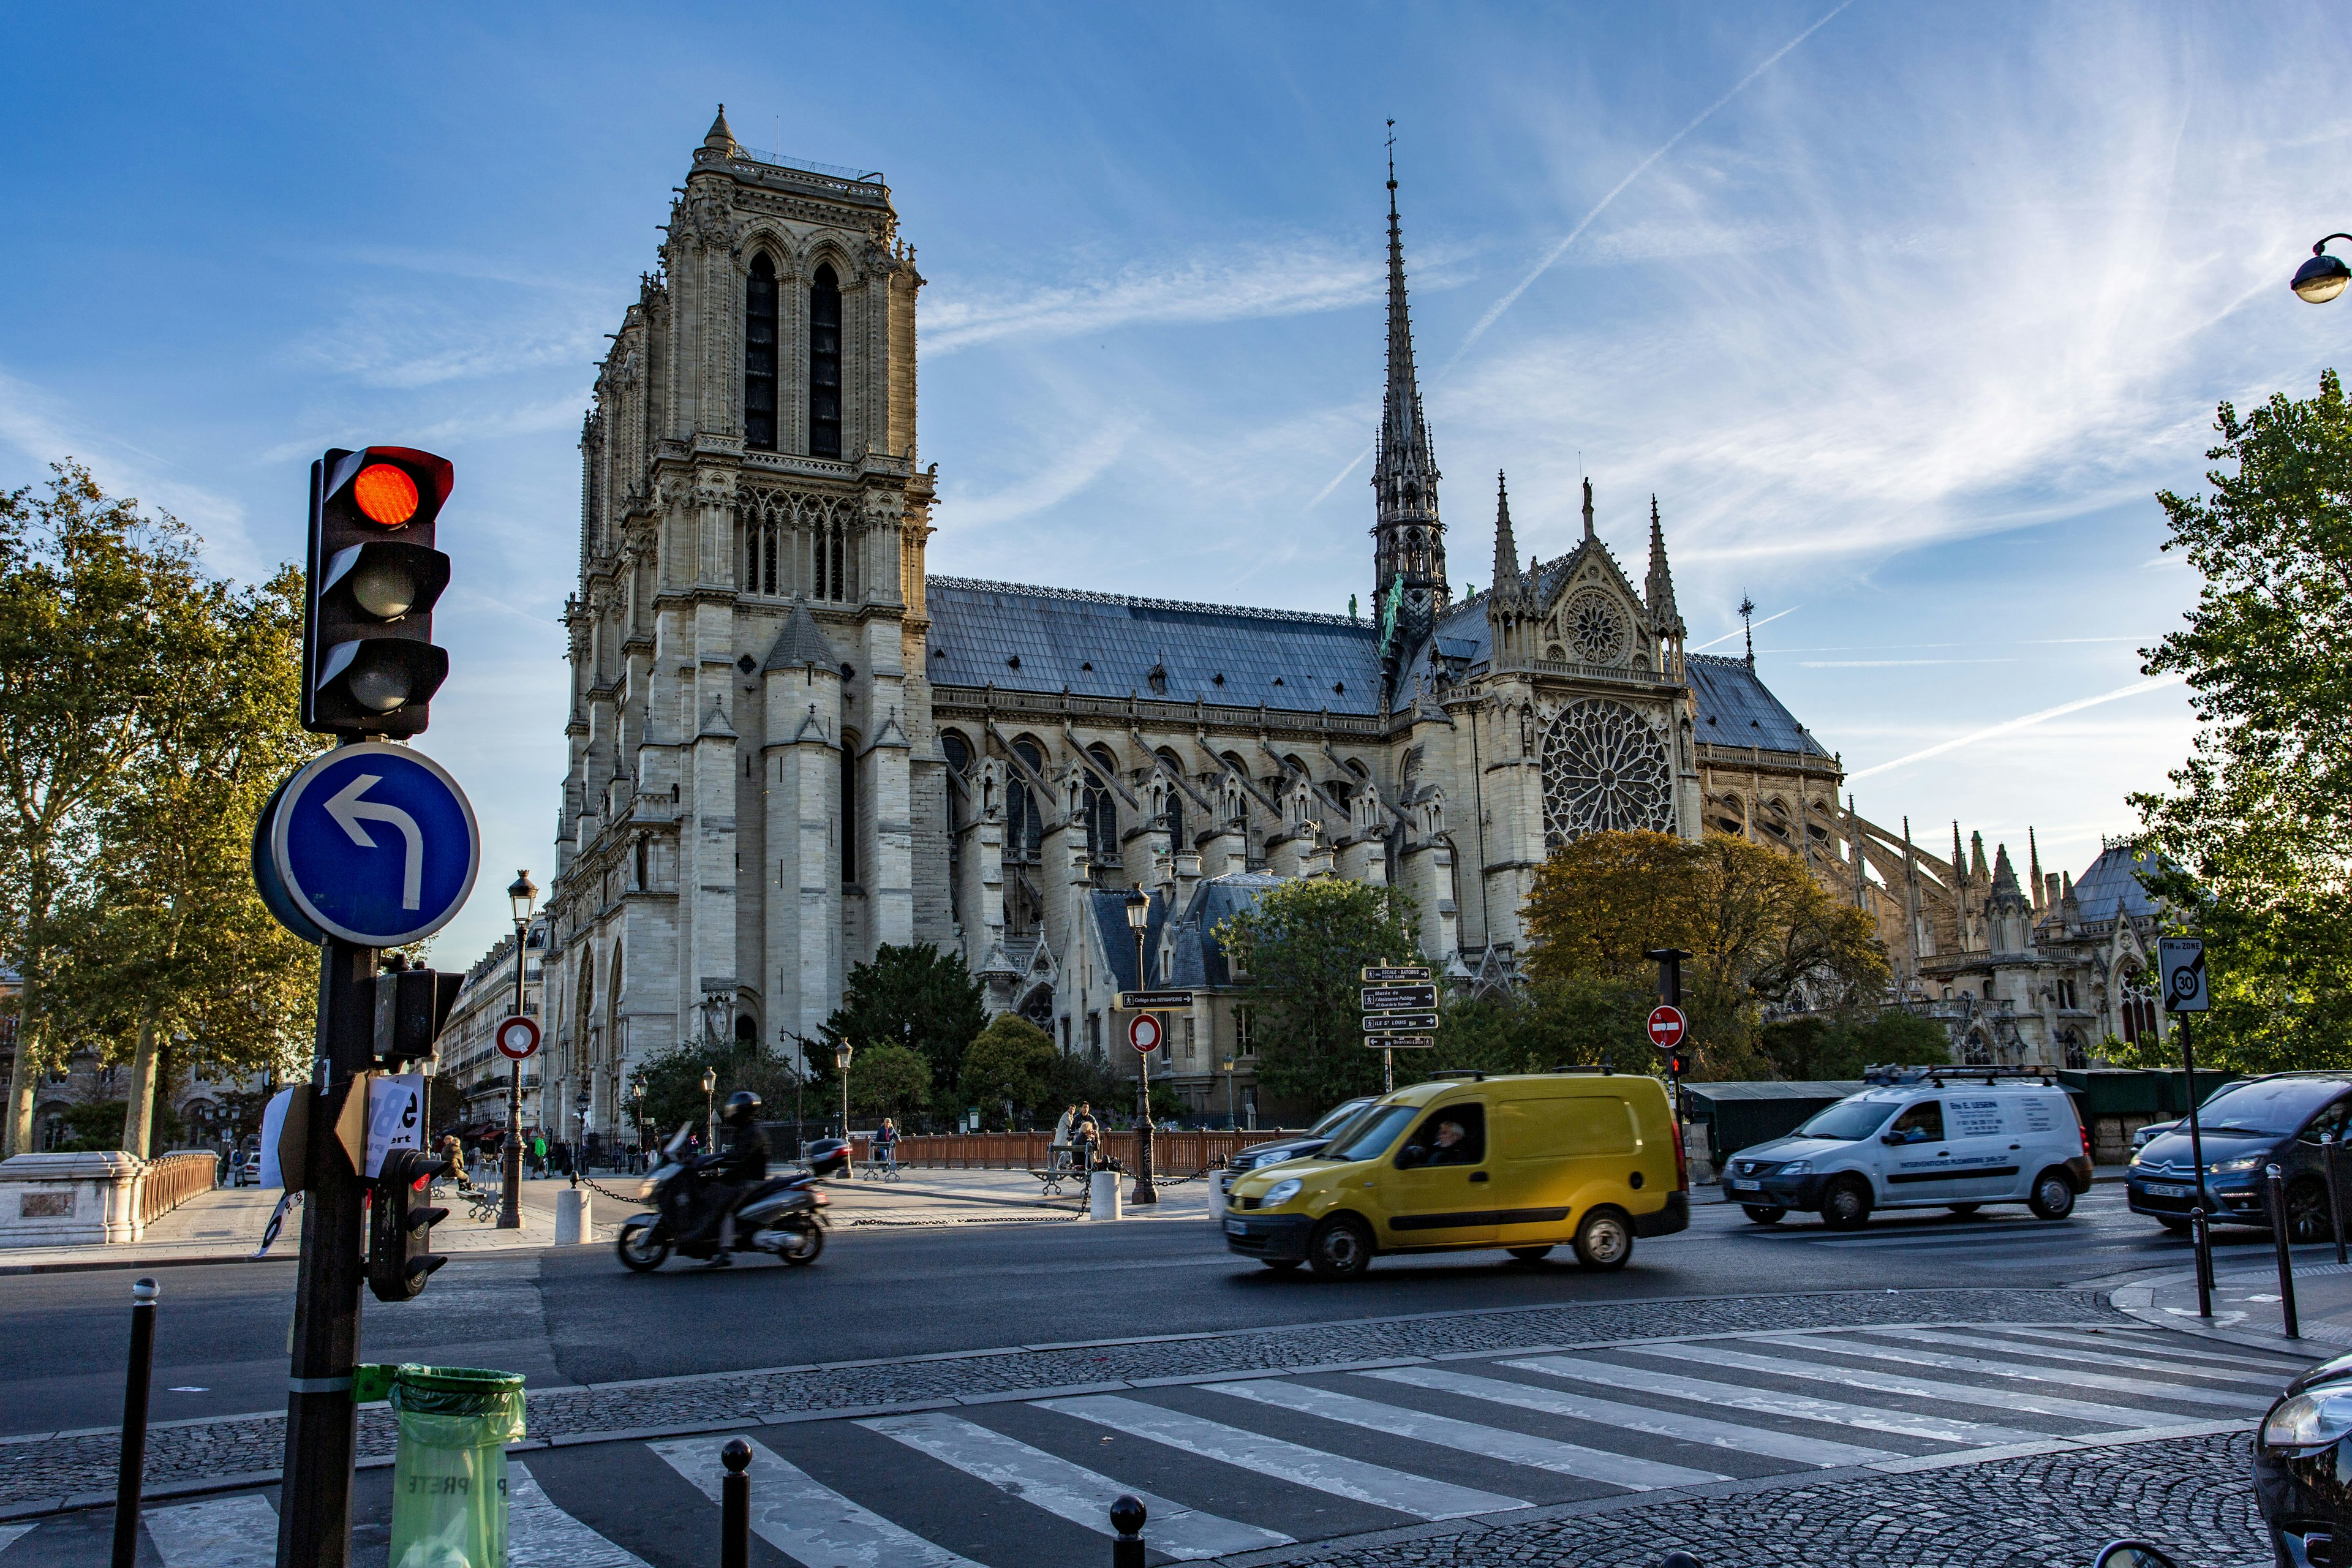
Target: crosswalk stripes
(2017,1399)
(2266,1379)
(219,1532)
(1775,1402)
(2150,1341)
(1357,1479)
(1072,1492)
(541,1535)
(1468,1437)
(802,1517)
(1821,1451)
(2212,1398)
(9,1532)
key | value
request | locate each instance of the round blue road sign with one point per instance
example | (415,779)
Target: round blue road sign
(375,843)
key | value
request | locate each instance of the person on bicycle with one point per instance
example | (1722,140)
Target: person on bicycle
(743,1167)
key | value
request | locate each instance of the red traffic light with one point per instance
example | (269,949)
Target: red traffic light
(385,494)
(390,487)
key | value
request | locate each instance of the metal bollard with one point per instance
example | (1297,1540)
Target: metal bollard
(2335,1208)
(2200,1246)
(735,1505)
(130,1475)
(2286,1258)
(1127,1518)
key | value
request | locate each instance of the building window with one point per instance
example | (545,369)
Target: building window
(848,809)
(825,366)
(1025,823)
(760,358)
(1102,815)
(1242,1031)
(1176,845)
(2137,1008)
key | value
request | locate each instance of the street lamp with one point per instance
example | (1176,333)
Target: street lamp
(522,894)
(637,1110)
(709,1108)
(2323,276)
(1139,916)
(579,1150)
(842,1053)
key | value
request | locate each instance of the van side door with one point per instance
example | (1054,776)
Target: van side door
(1988,1145)
(1438,1188)
(1550,1152)
(1914,1158)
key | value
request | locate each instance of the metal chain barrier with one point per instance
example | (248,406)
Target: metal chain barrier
(607,1191)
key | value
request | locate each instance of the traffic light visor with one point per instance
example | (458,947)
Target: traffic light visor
(388,579)
(392,487)
(385,494)
(384,674)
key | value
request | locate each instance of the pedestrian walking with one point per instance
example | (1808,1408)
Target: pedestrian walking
(453,1151)
(886,1149)
(1057,1148)
(538,1154)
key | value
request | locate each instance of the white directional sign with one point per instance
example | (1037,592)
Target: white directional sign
(395,1117)
(375,843)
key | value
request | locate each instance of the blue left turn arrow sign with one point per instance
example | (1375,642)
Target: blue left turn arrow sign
(375,844)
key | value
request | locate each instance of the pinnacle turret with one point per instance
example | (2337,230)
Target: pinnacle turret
(1409,539)
(1506,548)
(1660,588)
(719,138)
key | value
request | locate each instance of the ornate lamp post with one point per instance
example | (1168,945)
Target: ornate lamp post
(521,896)
(637,1110)
(2323,276)
(841,1057)
(1139,916)
(709,1108)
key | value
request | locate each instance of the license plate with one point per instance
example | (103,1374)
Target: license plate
(2169,1190)
(1235,1228)
(1747,1186)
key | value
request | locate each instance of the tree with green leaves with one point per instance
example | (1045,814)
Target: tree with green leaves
(915,996)
(1012,1062)
(2256,826)
(1300,950)
(890,1081)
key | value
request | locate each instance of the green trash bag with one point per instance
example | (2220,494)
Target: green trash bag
(449,1479)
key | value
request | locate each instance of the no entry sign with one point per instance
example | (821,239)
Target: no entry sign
(1665,1027)
(1144,1033)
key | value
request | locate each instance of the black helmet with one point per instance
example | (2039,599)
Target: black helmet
(742,1109)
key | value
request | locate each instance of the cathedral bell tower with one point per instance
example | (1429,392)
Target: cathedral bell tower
(1409,541)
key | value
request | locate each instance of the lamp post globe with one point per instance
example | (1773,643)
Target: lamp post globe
(709,1108)
(2323,276)
(523,895)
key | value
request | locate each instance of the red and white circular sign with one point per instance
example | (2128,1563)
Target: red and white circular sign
(518,1038)
(1144,1033)
(1665,1027)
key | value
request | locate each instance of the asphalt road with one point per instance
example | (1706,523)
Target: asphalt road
(576,1316)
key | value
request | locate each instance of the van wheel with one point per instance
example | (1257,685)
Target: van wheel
(2054,1195)
(1766,1214)
(1529,1254)
(1604,1241)
(1340,1248)
(1846,1205)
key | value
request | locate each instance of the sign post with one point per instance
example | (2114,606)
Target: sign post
(1145,1032)
(2180,962)
(1399,1008)
(1668,1017)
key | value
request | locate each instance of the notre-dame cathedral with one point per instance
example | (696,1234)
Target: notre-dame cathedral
(790,743)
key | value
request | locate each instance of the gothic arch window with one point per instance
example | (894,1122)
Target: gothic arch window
(760,356)
(1604,770)
(1101,813)
(848,808)
(1024,821)
(2135,1005)
(1175,815)
(824,366)
(958,751)
(612,1046)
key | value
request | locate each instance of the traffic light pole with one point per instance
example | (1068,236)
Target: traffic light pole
(314,1510)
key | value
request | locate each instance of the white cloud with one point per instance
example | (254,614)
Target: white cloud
(1078,466)
(2011,725)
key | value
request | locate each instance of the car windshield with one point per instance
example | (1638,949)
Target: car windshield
(2270,1107)
(1371,1138)
(1335,1118)
(1848,1119)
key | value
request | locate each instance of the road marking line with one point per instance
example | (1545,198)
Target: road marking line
(1397,1491)
(2269,1380)
(1072,1492)
(226,1532)
(802,1517)
(1775,1402)
(541,1535)
(1981,1365)
(1673,1424)
(1913,1388)
(2155,1342)
(1469,1437)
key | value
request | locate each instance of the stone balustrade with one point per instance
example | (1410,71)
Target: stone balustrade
(95,1198)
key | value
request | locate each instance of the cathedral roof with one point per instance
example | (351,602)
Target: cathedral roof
(1737,709)
(802,642)
(2114,875)
(1018,637)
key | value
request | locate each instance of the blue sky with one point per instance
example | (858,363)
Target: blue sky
(1903,310)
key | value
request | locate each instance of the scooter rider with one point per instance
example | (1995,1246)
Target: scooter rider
(743,1167)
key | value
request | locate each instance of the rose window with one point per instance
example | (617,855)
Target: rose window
(1604,770)
(1597,627)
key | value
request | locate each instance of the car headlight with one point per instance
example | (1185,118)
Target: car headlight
(646,1193)
(1796,1168)
(1282,1192)
(2309,1420)
(2232,1167)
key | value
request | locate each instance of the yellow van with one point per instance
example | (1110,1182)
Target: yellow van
(1519,1163)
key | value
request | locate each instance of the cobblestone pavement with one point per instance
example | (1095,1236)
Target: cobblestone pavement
(2193,1497)
(44,1470)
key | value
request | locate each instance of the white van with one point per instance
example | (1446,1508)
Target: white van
(1932,1140)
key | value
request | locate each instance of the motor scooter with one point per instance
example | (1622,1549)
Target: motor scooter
(782,1215)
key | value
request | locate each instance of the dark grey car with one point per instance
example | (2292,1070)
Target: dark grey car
(2248,1127)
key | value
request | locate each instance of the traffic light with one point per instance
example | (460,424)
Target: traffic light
(369,664)
(411,1005)
(400,1229)
(1677,1063)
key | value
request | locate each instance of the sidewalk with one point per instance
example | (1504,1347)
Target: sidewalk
(2246,1306)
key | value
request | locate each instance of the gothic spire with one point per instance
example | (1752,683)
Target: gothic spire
(2033,866)
(1506,549)
(1660,588)
(719,137)
(1408,554)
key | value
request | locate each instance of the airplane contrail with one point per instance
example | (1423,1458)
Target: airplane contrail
(2029,720)
(1765,622)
